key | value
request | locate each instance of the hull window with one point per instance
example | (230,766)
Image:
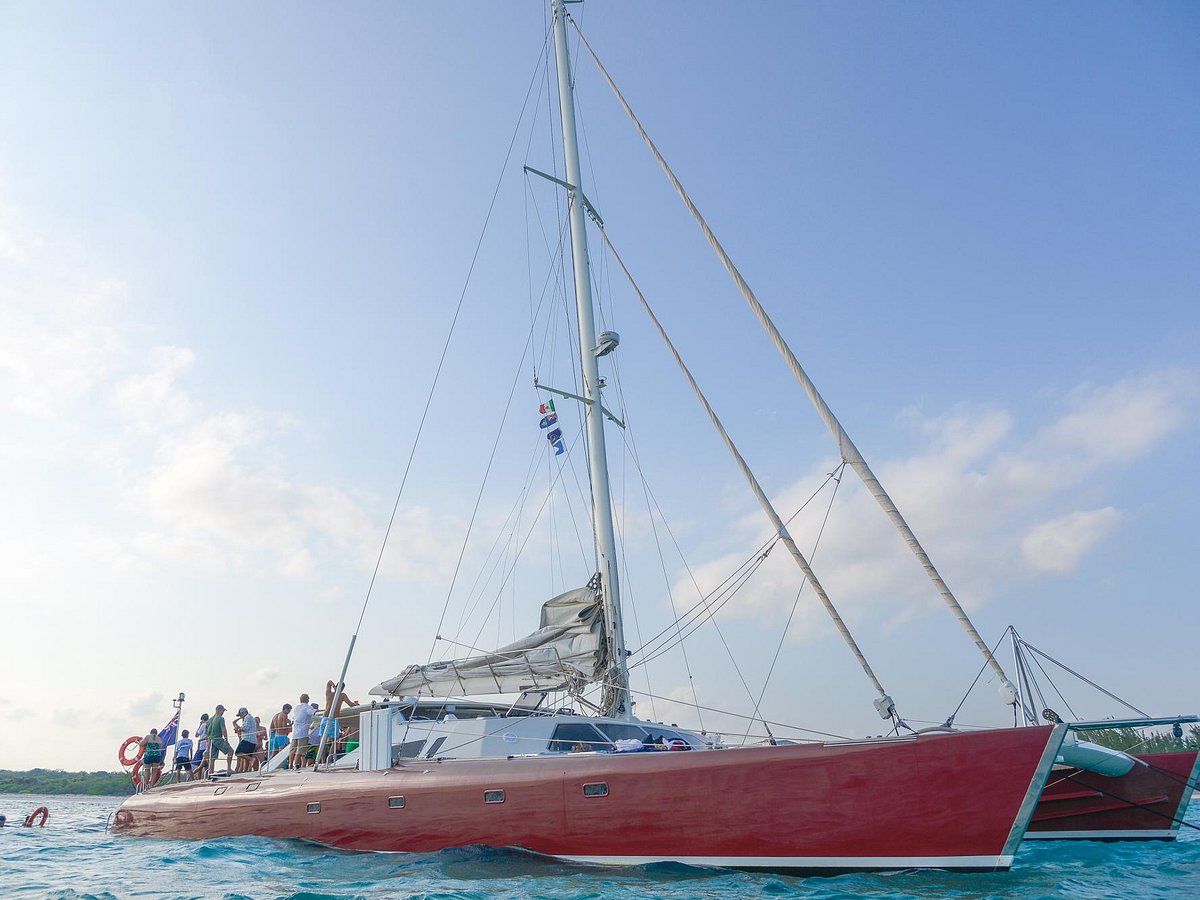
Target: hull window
(314,807)
(595,790)
(395,803)
(493,796)
(220,790)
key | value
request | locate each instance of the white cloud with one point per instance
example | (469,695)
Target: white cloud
(1058,545)
(989,505)
(153,398)
(266,675)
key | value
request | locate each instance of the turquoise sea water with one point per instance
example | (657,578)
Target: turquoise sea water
(74,857)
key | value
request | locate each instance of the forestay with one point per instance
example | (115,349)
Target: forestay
(568,650)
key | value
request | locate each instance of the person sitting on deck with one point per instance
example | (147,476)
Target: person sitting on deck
(152,759)
(218,741)
(183,756)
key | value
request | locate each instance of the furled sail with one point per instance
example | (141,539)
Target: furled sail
(569,649)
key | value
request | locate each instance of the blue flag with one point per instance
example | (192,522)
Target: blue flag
(549,420)
(167,733)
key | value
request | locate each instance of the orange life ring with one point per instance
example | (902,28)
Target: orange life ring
(40,811)
(126,761)
(136,774)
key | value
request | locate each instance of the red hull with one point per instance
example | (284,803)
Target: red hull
(1147,803)
(887,804)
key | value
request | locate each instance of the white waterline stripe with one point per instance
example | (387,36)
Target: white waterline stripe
(809,862)
(1098,835)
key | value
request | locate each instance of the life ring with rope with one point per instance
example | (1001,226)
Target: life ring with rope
(130,741)
(41,812)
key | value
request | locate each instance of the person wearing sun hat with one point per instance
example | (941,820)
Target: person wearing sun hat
(218,740)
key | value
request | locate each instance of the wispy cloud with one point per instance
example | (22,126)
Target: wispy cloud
(992,501)
(206,485)
(1059,544)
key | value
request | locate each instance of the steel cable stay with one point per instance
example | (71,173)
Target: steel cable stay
(504,535)
(949,723)
(703,606)
(1028,646)
(521,548)
(711,604)
(884,705)
(627,581)
(1050,680)
(516,380)
(687,663)
(763,550)
(341,682)
(812,554)
(846,447)
(470,606)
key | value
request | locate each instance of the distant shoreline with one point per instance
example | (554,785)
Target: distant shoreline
(57,781)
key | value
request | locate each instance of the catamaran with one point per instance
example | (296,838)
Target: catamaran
(437,767)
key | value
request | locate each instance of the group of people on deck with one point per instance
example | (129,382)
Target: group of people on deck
(301,727)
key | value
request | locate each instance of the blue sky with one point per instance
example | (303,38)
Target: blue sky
(232,239)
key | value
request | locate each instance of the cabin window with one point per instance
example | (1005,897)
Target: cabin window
(493,796)
(410,749)
(253,786)
(620,731)
(577,737)
(395,803)
(435,747)
(600,789)
(221,790)
(314,807)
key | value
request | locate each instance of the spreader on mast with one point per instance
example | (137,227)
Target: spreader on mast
(616,681)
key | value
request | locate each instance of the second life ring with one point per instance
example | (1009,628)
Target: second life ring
(129,741)
(40,813)
(137,773)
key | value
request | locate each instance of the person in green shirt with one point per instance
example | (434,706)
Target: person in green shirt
(218,740)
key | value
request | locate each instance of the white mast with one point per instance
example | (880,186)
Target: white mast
(616,682)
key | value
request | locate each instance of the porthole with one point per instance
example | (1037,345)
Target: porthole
(253,786)
(222,789)
(314,807)
(395,803)
(493,796)
(599,789)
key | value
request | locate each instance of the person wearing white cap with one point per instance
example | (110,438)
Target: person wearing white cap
(248,745)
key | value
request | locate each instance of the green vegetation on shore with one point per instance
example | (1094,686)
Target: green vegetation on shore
(1143,741)
(56,781)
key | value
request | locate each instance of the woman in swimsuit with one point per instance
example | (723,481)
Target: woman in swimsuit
(152,759)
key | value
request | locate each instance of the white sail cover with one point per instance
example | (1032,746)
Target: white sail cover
(568,649)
